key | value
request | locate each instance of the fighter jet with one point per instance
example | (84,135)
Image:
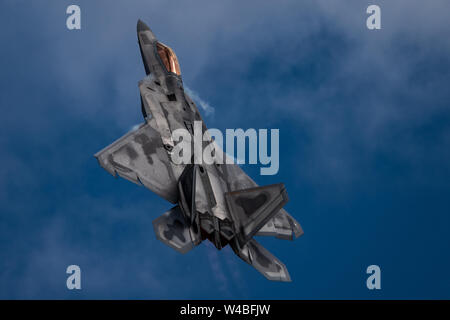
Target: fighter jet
(217,201)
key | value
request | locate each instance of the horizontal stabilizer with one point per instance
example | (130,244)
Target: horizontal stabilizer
(262,260)
(252,208)
(171,228)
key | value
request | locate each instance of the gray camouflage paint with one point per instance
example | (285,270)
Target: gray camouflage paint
(218,202)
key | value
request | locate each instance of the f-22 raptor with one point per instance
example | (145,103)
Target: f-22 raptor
(218,202)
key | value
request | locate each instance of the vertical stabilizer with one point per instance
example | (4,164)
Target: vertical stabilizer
(252,208)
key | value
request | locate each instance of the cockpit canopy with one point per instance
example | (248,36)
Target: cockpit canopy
(168,58)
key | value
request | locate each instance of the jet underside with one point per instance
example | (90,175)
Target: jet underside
(218,202)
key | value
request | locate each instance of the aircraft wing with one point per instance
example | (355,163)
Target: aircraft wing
(139,156)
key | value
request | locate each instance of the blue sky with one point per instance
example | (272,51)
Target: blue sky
(364,124)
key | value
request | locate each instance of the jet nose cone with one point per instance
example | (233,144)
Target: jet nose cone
(141,26)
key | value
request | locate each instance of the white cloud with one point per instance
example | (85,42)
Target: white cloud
(209,110)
